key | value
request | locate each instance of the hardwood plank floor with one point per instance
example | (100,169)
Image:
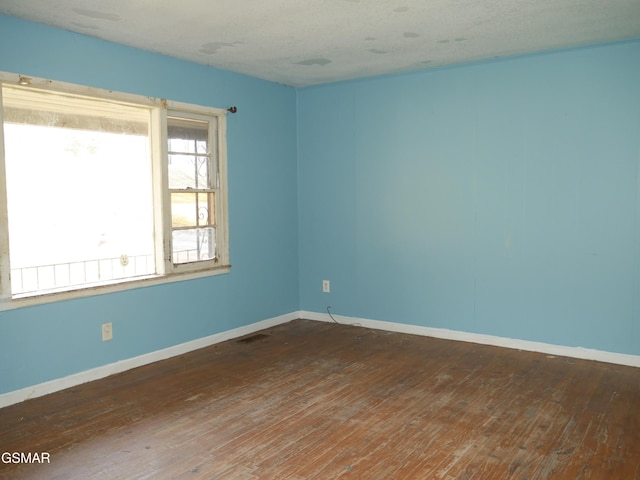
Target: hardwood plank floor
(317,400)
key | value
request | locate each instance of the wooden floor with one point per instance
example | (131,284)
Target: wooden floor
(315,400)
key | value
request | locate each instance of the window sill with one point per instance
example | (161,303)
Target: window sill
(50,296)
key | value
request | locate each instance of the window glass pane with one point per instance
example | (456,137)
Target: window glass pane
(188,171)
(193,245)
(187,135)
(79,198)
(185,145)
(190,209)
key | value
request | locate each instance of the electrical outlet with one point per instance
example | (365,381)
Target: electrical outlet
(107,331)
(326,286)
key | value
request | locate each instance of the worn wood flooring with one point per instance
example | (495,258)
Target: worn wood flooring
(313,400)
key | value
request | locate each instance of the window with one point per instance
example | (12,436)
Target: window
(103,188)
(194,184)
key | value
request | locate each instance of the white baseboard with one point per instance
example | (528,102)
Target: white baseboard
(51,386)
(550,349)
(58,384)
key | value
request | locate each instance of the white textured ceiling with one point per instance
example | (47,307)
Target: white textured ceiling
(300,43)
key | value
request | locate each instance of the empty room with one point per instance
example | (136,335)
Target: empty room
(356,239)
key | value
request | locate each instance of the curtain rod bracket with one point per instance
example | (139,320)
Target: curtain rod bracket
(233,109)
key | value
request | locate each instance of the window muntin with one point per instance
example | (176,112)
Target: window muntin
(107,148)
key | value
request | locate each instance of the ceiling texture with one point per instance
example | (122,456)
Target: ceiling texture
(301,43)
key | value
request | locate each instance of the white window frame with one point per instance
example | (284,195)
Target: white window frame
(166,270)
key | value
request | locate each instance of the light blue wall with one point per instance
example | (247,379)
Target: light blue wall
(497,198)
(55,340)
